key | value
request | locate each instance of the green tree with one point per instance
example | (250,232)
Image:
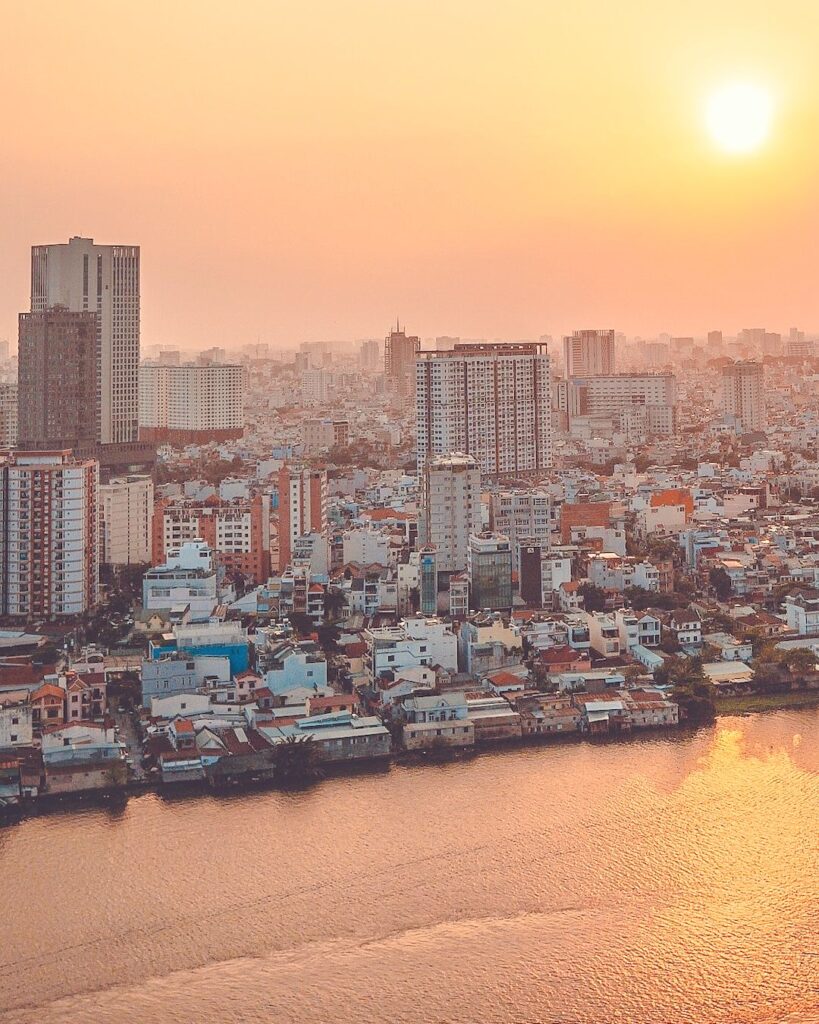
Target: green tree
(721,582)
(295,761)
(594,598)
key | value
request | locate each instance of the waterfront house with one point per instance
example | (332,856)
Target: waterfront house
(80,756)
(16,719)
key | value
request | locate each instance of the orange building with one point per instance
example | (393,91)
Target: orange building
(674,496)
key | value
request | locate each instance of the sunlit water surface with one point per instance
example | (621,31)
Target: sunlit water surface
(659,880)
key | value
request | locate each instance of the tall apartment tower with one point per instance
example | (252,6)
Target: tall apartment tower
(104,280)
(48,534)
(589,353)
(450,507)
(743,394)
(400,350)
(302,507)
(58,380)
(491,401)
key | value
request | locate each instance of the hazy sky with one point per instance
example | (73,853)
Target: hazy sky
(299,171)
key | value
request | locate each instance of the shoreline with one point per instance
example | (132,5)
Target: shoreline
(738,707)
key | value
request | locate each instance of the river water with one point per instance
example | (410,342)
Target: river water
(657,880)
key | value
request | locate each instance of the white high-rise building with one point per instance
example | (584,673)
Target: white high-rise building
(589,354)
(450,507)
(491,401)
(627,393)
(743,394)
(126,514)
(48,534)
(101,279)
(191,403)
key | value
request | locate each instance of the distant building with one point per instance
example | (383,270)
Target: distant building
(490,401)
(191,403)
(743,394)
(652,396)
(320,435)
(8,415)
(541,572)
(58,380)
(126,513)
(103,281)
(400,350)
(589,354)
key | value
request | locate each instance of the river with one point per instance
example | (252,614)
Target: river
(659,880)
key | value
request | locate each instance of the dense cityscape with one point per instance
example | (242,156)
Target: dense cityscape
(252,567)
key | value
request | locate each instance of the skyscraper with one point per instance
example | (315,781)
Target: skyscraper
(450,507)
(400,351)
(58,380)
(489,567)
(589,353)
(104,280)
(491,401)
(743,394)
(48,534)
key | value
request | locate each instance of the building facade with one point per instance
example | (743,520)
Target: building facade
(191,403)
(302,507)
(126,514)
(450,507)
(489,567)
(622,395)
(8,415)
(589,354)
(519,514)
(49,534)
(102,280)
(491,401)
(58,380)
(234,529)
(743,394)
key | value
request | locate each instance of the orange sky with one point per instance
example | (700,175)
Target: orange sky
(298,171)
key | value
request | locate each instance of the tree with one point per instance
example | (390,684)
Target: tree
(721,582)
(328,638)
(594,598)
(800,661)
(334,603)
(295,761)
(116,775)
(301,623)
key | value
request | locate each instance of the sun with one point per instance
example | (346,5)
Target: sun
(738,116)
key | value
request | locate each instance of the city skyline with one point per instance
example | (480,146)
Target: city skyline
(480,192)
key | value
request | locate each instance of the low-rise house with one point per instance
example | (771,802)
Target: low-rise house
(340,737)
(177,673)
(295,664)
(638,628)
(16,719)
(730,649)
(80,756)
(487,642)
(47,706)
(412,643)
(601,714)
(545,715)
(802,611)
(590,681)
(494,718)
(686,623)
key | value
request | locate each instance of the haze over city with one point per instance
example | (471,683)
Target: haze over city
(305,172)
(409,512)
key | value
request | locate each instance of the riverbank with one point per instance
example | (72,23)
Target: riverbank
(756,703)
